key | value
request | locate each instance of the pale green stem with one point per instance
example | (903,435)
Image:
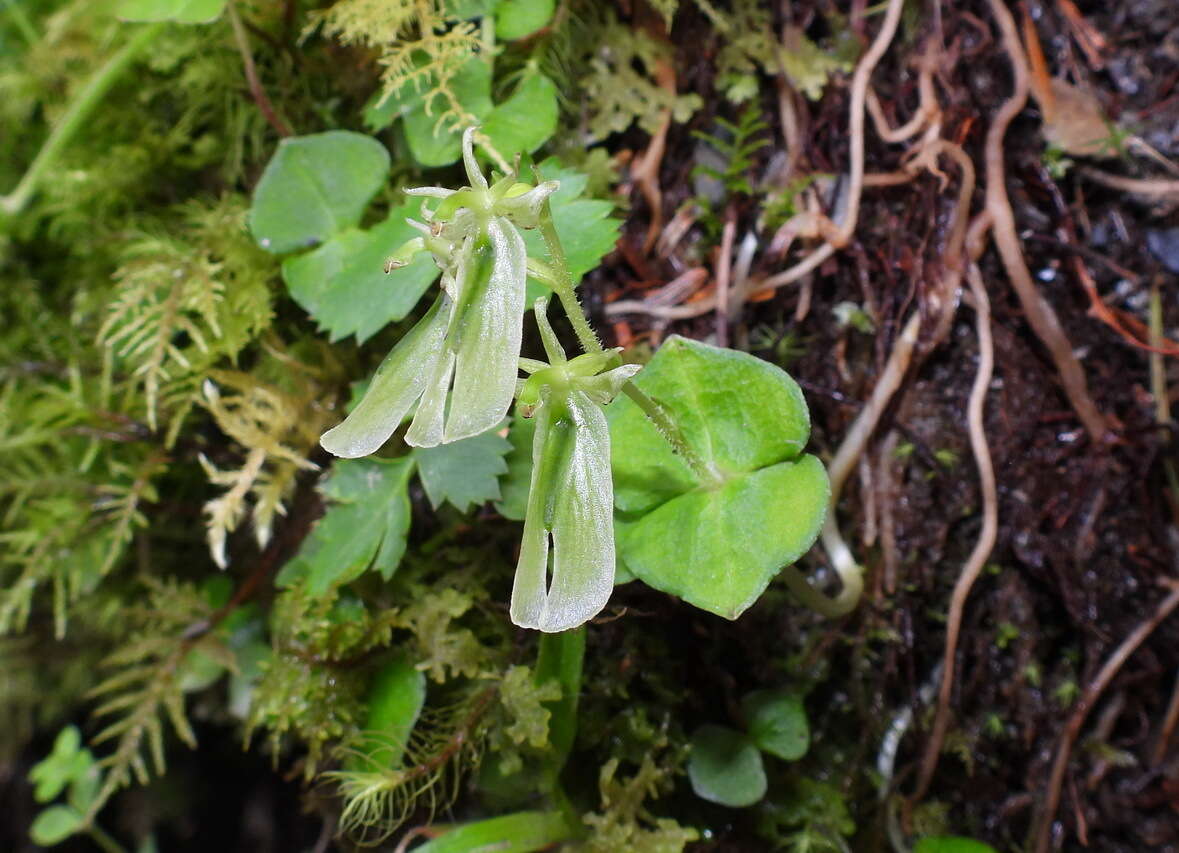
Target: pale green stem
(563,285)
(21,21)
(75,119)
(671,431)
(104,840)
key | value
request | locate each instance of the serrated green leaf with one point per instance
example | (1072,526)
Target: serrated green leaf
(716,543)
(951,844)
(440,144)
(55,825)
(180,11)
(314,187)
(776,722)
(725,767)
(343,283)
(463,472)
(365,527)
(513,486)
(395,700)
(526,120)
(515,19)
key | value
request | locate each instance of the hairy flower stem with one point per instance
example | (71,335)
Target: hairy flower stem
(563,286)
(671,432)
(75,119)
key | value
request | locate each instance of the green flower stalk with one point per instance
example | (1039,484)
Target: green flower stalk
(459,363)
(571,498)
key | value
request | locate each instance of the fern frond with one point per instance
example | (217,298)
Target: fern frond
(279,428)
(620,88)
(145,686)
(422,48)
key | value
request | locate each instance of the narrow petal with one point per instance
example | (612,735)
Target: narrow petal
(397,384)
(571,499)
(530,587)
(426,429)
(488,336)
(583,524)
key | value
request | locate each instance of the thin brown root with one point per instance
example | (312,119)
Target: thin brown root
(853,444)
(1039,313)
(723,274)
(986,538)
(1151,188)
(1044,820)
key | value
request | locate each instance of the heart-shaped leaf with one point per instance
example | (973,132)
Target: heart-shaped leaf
(343,283)
(776,721)
(314,187)
(180,11)
(725,767)
(717,541)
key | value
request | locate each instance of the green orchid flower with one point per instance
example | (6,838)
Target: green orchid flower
(571,498)
(459,362)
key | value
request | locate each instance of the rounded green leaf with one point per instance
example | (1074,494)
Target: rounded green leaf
(716,543)
(951,844)
(527,119)
(739,414)
(55,825)
(315,186)
(776,721)
(725,767)
(180,11)
(719,548)
(515,19)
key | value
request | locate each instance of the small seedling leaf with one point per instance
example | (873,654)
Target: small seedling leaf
(54,825)
(314,187)
(725,767)
(777,723)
